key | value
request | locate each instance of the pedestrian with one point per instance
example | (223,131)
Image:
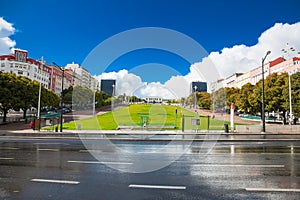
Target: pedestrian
(31,124)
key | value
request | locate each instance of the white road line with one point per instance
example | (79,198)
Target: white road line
(169,187)
(45,143)
(238,165)
(98,162)
(48,149)
(6,158)
(55,181)
(9,148)
(87,151)
(272,190)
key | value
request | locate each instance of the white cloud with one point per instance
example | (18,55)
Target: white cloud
(156,89)
(242,58)
(239,58)
(6,30)
(127,83)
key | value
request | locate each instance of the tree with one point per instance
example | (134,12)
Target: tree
(295,80)
(244,98)
(232,97)
(219,100)
(7,83)
(275,95)
(67,95)
(204,100)
(82,97)
(48,98)
(23,94)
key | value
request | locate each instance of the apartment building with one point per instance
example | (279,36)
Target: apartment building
(279,65)
(49,76)
(19,64)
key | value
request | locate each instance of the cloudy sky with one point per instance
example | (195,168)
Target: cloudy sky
(234,36)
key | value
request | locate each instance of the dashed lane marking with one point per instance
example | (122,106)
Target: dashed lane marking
(98,162)
(169,187)
(55,181)
(272,190)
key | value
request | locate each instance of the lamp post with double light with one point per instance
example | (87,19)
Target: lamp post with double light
(288,52)
(263,94)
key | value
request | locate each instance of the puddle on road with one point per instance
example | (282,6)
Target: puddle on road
(251,149)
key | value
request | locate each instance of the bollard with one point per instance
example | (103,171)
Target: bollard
(226,128)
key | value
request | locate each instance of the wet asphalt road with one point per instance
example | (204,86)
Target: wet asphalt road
(64,169)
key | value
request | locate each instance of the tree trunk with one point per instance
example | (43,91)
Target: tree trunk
(5,111)
(284,119)
(24,113)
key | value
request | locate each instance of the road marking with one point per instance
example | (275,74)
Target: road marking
(98,162)
(48,149)
(6,158)
(49,143)
(87,151)
(55,181)
(272,190)
(9,148)
(241,165)
(169,187)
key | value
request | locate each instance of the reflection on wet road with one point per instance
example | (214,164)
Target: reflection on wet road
(65,169)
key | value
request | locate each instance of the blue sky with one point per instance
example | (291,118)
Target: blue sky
(66,31)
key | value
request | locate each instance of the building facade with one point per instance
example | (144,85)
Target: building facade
(19,64)
(82,77)
(198,87)
(108,86)
(279,66)
(153,100)
(56,75)
(49,76)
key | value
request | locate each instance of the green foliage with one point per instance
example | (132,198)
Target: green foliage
(244,97)
(248,98)
(275,92)
(219,100)
(203,99)
(7,83)
(295,80)
(18,92)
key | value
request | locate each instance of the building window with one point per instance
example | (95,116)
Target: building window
(20,72)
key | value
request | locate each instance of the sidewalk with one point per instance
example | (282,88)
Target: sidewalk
(224,117)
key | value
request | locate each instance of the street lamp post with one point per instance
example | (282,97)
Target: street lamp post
(263,94)
(288,51)
(94,102)
(113,92)
(61,95)
(195,103)
(39,108)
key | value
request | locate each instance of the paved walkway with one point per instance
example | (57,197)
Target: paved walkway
(224,116)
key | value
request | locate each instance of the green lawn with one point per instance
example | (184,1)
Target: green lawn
(137,114)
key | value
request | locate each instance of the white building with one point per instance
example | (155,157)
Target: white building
(83,77)
(19,64)
(154,99)
(279,66)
